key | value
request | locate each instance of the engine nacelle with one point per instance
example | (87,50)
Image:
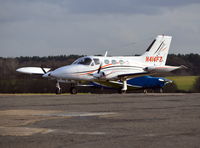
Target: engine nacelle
(100,75)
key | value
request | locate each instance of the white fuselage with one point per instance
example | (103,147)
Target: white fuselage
(110,66)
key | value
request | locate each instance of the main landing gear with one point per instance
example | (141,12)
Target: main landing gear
(157,90)
(124,88)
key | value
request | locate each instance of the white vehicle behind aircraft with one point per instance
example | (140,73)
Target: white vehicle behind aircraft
(104,68)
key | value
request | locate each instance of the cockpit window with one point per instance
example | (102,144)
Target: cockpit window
(83,61)
(96,61)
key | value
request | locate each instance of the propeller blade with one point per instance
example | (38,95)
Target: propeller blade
(43,69)
(99,68)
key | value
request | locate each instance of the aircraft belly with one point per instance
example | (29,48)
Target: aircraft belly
(115,85)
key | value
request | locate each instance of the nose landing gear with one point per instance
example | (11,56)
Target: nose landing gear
(58,88)
(73,90)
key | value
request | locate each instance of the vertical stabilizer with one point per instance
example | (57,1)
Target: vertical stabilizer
(156,53)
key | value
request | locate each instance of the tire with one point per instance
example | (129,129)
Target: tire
(121,91)
(58,91)
(73,90)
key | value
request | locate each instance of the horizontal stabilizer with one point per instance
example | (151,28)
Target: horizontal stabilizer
(33,70)
(164,68)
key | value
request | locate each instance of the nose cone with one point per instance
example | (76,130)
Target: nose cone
(57,73)
(47,75)
(66,72)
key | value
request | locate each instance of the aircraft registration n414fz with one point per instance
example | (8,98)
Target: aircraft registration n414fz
(103,68)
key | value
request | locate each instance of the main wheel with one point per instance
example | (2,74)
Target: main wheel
(120,91)
(73,90)
(158,90)
(58,91)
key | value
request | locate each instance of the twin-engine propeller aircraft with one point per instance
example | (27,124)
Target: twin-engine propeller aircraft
(103,69)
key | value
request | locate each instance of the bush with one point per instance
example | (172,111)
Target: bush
(196,87)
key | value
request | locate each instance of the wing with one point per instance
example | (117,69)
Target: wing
(132,75)
(33,70)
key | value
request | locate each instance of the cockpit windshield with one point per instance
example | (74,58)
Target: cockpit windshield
(87,61)
(83,61)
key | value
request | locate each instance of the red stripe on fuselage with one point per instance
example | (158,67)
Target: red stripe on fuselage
(90,72)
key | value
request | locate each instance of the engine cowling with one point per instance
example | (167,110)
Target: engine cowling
(100,75)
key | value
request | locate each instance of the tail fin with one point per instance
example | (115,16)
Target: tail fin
(156,53)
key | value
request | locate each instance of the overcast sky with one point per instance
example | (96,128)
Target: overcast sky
(89,27)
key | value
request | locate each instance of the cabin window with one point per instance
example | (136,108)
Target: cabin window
(121,61)
(106,61)
(114,61)
(96,61)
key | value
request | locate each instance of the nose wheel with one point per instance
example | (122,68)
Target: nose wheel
(73,90)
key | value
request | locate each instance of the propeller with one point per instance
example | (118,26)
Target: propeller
(99,68)
(45,70)
(99,73)
(42,67)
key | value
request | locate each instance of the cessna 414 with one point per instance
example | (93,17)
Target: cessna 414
(106,69)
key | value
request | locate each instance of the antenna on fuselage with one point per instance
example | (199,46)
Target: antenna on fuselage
(105,55)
